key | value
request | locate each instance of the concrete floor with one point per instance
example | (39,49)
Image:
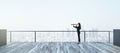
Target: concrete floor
(59,47)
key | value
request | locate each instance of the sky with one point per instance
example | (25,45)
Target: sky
(59,14)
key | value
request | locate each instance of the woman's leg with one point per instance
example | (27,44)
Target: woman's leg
(78,36)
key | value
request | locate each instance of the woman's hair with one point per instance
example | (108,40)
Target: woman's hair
(78,23)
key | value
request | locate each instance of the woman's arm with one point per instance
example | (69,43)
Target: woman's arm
(75,26)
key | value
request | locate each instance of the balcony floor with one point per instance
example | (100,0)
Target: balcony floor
(59,47)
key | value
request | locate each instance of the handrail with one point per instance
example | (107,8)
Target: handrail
(59,31)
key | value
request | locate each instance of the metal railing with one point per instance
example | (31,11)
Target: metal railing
(109,33)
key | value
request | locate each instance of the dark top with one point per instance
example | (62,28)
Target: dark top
(77,27)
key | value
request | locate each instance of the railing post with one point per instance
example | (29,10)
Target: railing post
(109,36)
(84,36)
(10,36)
(35,35)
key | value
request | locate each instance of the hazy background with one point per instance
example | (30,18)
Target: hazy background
(59,14)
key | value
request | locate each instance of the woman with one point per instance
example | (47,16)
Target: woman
(78,27)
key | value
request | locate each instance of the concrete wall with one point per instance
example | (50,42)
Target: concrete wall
(3,37)
(116,37)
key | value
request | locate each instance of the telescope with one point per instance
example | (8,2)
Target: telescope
(74,24)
